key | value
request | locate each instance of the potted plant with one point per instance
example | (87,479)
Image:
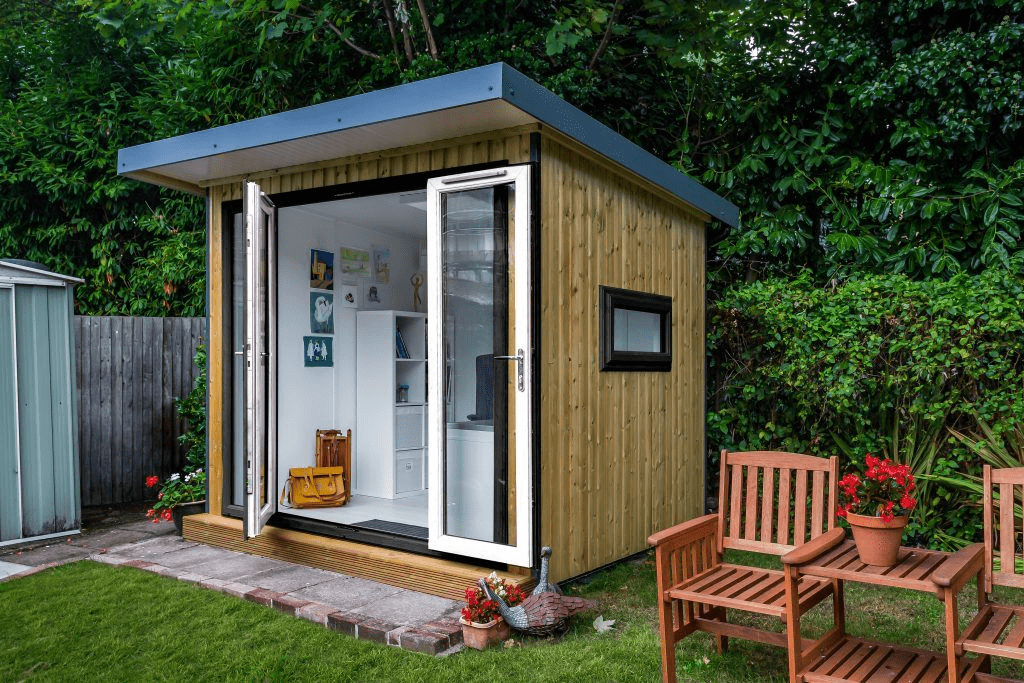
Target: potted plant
(482,626)
(877,505)
(181,494)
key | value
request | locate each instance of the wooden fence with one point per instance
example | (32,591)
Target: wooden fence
(128,373)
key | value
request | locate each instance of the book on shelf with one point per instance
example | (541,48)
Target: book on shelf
(400,348)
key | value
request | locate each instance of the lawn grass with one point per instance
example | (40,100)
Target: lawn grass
(94,622)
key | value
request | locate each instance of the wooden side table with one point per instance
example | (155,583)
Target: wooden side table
(838,657)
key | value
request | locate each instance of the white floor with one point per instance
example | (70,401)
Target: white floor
(411,510)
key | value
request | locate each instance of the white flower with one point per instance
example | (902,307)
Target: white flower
(175,476)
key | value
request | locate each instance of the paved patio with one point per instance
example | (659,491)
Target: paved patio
(349,605)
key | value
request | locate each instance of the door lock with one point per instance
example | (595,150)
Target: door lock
(521,369)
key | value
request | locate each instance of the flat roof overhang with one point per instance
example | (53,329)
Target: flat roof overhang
(487,98)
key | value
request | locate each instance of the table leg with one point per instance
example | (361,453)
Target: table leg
(793,640)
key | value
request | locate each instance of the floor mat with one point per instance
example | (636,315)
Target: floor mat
(409,530)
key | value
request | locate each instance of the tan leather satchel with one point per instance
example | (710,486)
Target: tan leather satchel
(315,487)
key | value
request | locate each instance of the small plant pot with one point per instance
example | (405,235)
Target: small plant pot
(482,636)
(181,509)
(878,541)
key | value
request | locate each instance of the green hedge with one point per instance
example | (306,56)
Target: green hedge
(880,364)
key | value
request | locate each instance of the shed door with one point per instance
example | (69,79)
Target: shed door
(478,244)
(260,413)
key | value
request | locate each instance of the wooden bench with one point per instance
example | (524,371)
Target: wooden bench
(997,630)
(768,502)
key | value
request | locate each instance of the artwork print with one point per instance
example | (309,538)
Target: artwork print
(321,269)
(381,265)
(321,313)
(318,352)
(355,262)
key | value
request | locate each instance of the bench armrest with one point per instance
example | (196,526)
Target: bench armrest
(684,533)
(960,567)
(814,547)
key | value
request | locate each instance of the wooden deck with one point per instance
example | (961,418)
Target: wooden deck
(430,575)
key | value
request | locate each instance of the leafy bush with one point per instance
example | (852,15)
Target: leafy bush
(877,364)
(193,408)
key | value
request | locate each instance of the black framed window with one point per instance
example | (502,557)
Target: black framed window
(636,330)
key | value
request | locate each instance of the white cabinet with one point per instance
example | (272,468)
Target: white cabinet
(390,438)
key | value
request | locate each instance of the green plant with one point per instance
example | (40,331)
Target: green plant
(193,408)
(178,488)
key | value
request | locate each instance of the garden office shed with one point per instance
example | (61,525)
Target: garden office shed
(39,478)
(499,296)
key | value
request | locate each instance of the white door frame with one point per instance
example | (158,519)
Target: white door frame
(260,417)
(521,553)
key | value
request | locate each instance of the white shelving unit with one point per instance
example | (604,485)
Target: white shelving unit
(390,458)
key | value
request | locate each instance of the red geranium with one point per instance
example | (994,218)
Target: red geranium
(884,491)
(480,609)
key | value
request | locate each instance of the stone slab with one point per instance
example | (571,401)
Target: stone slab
(51,554)
(347,593)
(11,568)
(150,549)
(289,579)
(194,555)
(236,565)
(406,608)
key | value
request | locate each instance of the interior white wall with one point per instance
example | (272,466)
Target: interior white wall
(324,398)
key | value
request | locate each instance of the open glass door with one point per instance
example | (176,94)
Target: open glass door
(260,413)
(478,244)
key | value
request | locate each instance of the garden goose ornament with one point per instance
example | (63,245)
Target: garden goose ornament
(542,583)
(540,614)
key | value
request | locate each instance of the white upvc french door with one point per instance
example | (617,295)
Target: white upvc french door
(479,341)
(260,362)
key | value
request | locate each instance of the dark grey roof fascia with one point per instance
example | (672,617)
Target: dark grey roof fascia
(473,86)
(552,110)
(401,101)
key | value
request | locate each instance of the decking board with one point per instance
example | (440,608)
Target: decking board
(434,576)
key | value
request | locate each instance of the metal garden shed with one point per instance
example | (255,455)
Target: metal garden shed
(39,475)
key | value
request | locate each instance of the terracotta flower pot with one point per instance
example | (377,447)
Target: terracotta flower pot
(482,636)
(878,541)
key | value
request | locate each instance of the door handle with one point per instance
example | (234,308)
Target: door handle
(521,368)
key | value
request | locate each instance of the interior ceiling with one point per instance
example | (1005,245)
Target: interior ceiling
(398,213)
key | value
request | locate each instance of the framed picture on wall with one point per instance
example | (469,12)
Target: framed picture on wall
(348,295)
(321,269)
(355,262)
(381,265)
(375,296)
(321,313)
(318,352)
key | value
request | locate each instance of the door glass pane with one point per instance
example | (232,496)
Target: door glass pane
(476,309)
(238,362)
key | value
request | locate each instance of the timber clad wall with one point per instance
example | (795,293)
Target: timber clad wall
(129,371)
(622,453)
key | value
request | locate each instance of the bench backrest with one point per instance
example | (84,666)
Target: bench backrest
(1003,495)
(772,501)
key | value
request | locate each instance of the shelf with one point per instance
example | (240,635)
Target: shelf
(857,661)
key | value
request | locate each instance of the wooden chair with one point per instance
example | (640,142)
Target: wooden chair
(997,630)
(334,449)
(768,502)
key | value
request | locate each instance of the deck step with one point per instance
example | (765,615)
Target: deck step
(430,575)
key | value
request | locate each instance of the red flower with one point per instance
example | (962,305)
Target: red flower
(150,512)
(166,514)
(152,481)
